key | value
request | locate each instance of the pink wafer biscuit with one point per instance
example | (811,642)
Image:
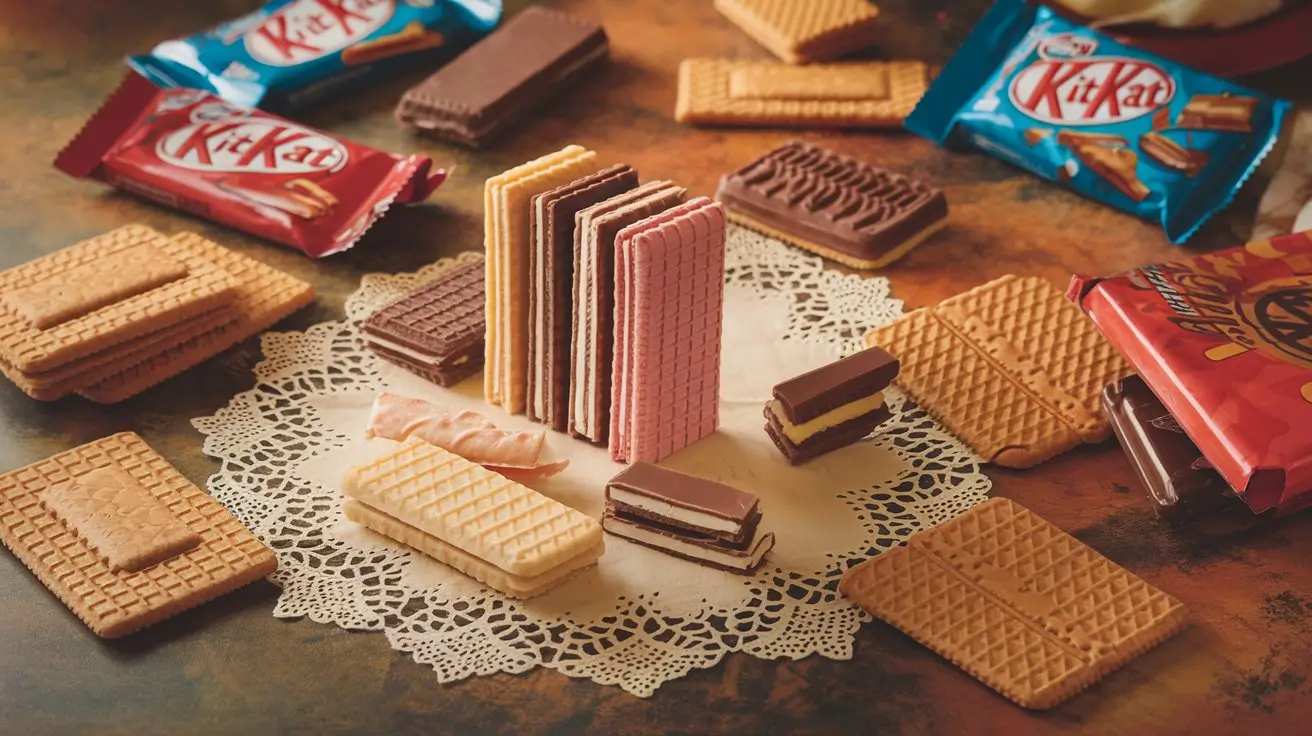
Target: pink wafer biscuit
(669,297)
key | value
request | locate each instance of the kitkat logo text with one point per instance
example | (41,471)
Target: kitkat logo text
(1095,90)
(251,144)
(305,30)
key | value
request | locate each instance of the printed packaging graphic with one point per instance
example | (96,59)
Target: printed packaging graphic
(1225,342)
(293,51)
(1138,132)
(243,167)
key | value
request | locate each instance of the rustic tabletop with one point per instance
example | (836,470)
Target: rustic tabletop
(229,667)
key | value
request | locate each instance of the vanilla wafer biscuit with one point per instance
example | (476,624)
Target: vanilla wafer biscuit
(873,94)
(264,296)
(1016,602)
(806,31)
(88,297)
(513,529)
(86,372)
(506,199)
(1010,367)
(122,538)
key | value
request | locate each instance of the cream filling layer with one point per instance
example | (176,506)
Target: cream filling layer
(583,394)
(799,433)
(735,560)
(399,348)
(667,510)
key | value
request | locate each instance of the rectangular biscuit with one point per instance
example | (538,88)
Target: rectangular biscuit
(807,31)
(1017,603)
(264,295)
(488,516)
(74,287)
(153,576)
(1011,367)
(730,92)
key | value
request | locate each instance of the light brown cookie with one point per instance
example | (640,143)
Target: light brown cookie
(1016,602)
(804,31)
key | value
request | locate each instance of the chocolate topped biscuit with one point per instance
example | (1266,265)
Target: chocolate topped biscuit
(850,211)
(830,407)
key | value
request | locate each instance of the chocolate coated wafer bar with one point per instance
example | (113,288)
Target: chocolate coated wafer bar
(847,210)
(1218,112)
(1157,147)
(519,67)
(1180,482)
(437,331)
(693,504)
(832,406)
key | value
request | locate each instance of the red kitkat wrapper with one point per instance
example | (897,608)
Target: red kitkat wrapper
(1225,342)
(243,167)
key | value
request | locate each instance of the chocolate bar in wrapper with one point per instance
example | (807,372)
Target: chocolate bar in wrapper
(1135,131)
(1224,340)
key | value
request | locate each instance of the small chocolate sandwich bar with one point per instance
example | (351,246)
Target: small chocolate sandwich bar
(1110,157)
(835,206)
(685,516)
(830,407)
(1181,483)
(527,62)
(1166,152)
(1218,112)
(437,331)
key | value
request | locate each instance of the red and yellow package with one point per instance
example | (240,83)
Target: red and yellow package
(1225,342)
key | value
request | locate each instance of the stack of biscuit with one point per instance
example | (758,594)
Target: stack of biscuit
(114,315)
(560,230)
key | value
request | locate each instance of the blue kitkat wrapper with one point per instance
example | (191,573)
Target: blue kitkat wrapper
(1130,129)
(291,52)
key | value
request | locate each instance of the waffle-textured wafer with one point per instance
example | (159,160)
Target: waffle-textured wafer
(265,295)
(1016,602)
(85,372)
(514,529)
(730,92)
(436,331)
(669,303)
(592,346)
(1010,367)
(835,206)
(66,548)
(551,287)
(803,31)
(506,200)
(515,586)
(86,308)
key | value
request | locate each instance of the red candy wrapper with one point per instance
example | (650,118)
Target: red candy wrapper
(243,167)
(1225,342)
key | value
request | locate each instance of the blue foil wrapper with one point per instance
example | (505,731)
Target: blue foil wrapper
(1133,130)
(291,52)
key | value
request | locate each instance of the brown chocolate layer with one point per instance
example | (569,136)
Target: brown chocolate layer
(686,491)
(826,388)
(833,200)
(834,438)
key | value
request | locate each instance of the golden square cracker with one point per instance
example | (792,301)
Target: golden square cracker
(513,529)
(137,309)
(706,94)
(1016,602)
(86,372)
(1010,367)
(265,295)
(116,602)
(507,197)
(803,31)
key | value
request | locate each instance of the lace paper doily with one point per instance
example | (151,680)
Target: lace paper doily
(640,618)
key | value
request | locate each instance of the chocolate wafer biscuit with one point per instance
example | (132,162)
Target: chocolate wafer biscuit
(264,295)
(1016,602)
(840,208)
(436,500)
(1010,367)
(122,538)
(1218,112)
(1165,151)
(804,32)
(592,345)
(436,331)
(551,287)
(875,94)
(90,296)
(1110,157)
(506,200)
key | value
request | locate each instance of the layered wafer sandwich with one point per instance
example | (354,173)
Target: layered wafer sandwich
(488,527)
(688,517)
(830,407)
